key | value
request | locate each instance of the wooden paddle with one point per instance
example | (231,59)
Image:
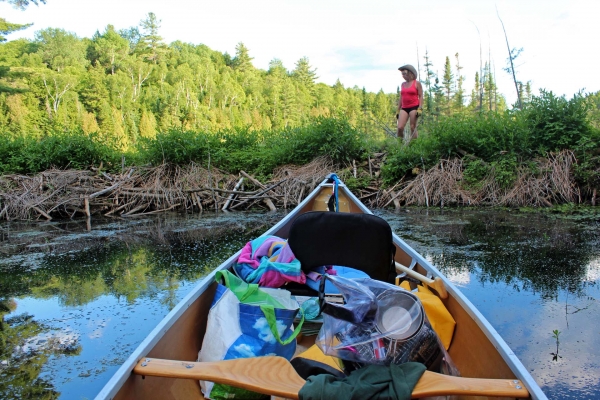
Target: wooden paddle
(436,283)
(275,376)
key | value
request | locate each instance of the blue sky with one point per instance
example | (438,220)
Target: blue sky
(362,43)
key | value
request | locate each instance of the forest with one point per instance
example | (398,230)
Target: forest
(125,99)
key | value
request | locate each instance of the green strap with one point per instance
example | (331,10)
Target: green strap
(242,290)
(269,312)
(250,293)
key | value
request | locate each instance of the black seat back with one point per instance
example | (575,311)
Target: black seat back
(360,241)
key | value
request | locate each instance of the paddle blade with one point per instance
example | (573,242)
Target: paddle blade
(268,375)
(432,384)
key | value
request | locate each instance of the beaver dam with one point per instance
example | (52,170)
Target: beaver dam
(193,188)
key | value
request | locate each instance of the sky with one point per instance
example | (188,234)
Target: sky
(363,42)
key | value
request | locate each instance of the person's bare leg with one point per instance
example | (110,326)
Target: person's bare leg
(402,120)
(413,124)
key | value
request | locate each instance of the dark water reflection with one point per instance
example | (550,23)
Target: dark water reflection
(530,274)
(75,303)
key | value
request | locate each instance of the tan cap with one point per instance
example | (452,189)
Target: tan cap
(410,68)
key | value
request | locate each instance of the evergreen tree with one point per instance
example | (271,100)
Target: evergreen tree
(459,96)
(7,27)
(147,125)
(242,60)
(151,45)
(304,74)
(429,78)
(93,92)
(489,88)
(448,83)
(474,103)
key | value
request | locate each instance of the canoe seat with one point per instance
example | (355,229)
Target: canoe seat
(360,241)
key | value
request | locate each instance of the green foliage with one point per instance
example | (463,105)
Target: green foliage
(404,161)
(474,172)
(587,169)
(59,150)
(256,151)
(333,137)
(7,27)
(185,102)
(505,170)
(483,136)
(555,123)
(356,184)
(504,141)
(109,82)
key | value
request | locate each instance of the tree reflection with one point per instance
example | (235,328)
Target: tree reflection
(530,252)
(23,352)
(147,261)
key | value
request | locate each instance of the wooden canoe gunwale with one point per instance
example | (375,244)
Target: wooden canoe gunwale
(123,373)
(406,253)
(494,337)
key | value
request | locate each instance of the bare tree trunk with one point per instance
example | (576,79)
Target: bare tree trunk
(480,70)
(512,67)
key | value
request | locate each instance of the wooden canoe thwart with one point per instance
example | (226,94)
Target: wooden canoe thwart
(164,365)
(275,376)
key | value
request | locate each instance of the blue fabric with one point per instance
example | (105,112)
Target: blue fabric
(345,272)
(257,339)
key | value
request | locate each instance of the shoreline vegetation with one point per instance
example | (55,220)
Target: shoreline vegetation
(544,155)
(123,124)
(194,189)
(190,172)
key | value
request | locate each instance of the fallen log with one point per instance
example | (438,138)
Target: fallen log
(262,192)
(232,195)
(42,213)
(107,190)
(135,209)
(268,202)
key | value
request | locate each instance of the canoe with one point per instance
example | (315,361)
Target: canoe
(477,349)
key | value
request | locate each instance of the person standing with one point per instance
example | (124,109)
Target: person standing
(410,104)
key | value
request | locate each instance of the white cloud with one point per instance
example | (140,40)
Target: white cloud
(264,331)
(245,351)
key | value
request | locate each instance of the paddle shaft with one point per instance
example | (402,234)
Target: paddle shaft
(275,376)
(436,283)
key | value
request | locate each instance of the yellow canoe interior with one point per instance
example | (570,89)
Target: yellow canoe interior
(470,349)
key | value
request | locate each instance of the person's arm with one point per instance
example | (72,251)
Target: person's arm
(420,93)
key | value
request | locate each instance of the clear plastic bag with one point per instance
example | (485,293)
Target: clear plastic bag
(379,323)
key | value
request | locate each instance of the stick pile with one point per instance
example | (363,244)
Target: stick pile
(442,185)
(65,194)
(142,191)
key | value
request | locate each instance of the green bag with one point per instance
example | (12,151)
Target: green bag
(247,321)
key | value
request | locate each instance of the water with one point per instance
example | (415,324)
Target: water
(75,303)
(530,275)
